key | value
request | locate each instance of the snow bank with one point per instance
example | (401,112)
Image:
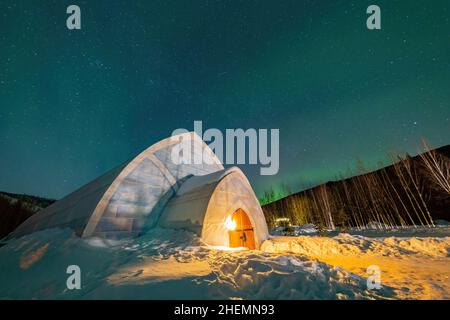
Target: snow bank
(166,264)
(346,244)
(415,267)
(263,276)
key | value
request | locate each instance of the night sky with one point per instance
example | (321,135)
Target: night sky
(76,103)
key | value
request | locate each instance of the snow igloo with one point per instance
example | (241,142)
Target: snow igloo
(151,191)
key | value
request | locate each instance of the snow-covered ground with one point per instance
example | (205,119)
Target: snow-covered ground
(166,264)
(414,267)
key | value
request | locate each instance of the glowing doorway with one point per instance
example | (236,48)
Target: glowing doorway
(241,234)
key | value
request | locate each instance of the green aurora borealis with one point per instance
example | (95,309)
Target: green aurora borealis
(74,104)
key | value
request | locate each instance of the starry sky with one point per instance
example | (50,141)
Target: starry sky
(76,103)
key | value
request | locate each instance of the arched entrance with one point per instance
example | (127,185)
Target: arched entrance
(242,235)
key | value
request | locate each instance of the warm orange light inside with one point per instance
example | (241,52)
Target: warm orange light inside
(230,224)
(240,230)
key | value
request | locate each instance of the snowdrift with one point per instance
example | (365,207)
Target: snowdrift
(166,264)
(345,244)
